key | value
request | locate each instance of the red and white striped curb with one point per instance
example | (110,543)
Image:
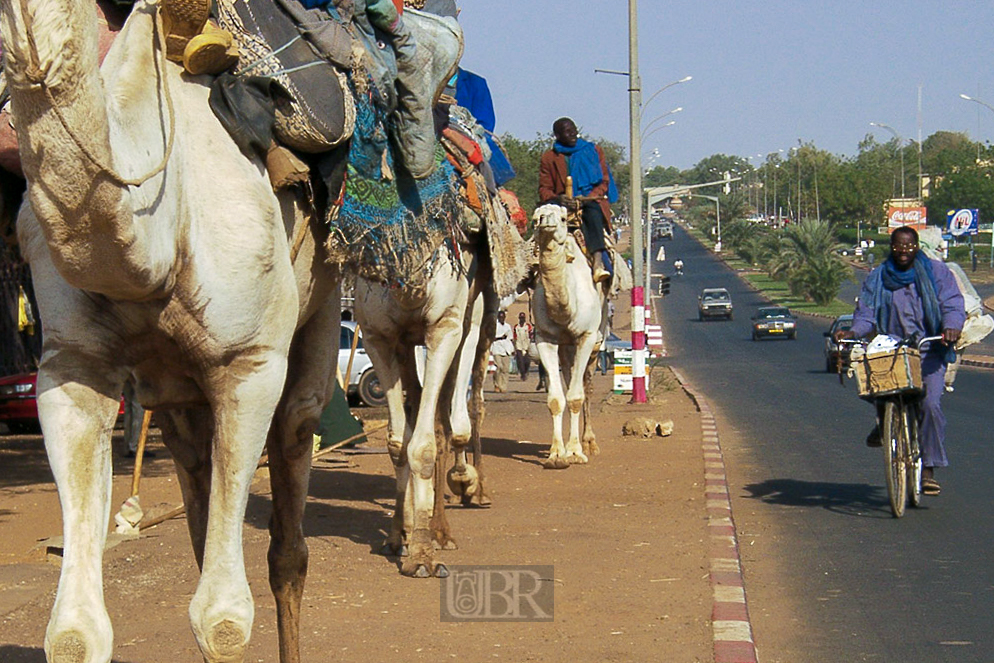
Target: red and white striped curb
(731,628)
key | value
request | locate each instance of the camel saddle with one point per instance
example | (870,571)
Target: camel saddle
(306,52)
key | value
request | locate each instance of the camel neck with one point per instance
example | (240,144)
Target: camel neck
(59,103)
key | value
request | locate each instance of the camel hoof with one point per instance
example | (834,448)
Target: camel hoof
(557,463)
(576,459)
(227,641)
(69,647)
(485,500)
(402,552)
(591,448)
(420,571)
(441,571)
(450,544)
(463,483)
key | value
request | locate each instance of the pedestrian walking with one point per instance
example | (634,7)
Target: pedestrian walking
(524,334)
(502,349)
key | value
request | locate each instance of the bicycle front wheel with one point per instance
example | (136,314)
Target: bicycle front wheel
(914,457)
(893,433)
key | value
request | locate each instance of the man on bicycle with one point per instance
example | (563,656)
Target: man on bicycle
(911,295)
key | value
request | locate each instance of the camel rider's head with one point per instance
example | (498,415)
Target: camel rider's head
(565,131)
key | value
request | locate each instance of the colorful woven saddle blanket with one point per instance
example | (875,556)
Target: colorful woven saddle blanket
(386,225)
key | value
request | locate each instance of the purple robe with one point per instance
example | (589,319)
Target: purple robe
(907,319)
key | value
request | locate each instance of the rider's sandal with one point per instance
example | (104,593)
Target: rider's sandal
(930,486)
(211,52)
(182,20)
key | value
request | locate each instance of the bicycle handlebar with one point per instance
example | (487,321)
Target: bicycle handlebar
(861,341)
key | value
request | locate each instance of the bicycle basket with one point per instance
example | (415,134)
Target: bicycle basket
(886,373)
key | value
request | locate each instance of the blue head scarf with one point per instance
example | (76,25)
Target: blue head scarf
(585,168)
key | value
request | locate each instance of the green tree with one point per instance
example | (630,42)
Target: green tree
(971,187)
(714,167)
(525,156)
(813,267)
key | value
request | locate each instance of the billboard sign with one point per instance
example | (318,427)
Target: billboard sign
(961,222)
(906,216)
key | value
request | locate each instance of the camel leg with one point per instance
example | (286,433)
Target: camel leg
(549,354)
(77,420)
(589,440)
(221,612)
(441,531)
(464,480)
(383,353)
(187,435)
(488,330)
(576,368)
(310,385)
(443,342)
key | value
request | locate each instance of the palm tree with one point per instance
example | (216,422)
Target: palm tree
(809,258)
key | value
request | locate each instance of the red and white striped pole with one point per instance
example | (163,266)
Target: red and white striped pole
(635,206)
(638,345)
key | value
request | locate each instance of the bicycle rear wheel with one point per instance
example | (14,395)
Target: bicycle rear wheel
(914,457)
(893,433)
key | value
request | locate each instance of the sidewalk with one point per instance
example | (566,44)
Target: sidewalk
(641,543)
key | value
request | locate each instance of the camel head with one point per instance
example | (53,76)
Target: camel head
(550,224)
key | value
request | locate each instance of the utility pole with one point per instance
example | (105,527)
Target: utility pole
(635,204)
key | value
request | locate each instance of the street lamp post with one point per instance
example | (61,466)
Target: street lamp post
(635,109)
(991,109)
(900,147)
(665,87)
(643,135)
(635,205)
(717,202)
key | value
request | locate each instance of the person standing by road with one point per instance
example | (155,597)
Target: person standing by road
(571,156)
(502,348)
(912,295)
(523,336)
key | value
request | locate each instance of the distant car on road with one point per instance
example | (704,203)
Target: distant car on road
(363,381)
(773,322)
(714,303)
(832,349)
(664,230)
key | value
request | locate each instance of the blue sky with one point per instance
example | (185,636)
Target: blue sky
(765,74)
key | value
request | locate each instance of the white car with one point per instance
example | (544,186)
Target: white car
(363,380)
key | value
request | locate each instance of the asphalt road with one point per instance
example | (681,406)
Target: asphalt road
(870,587)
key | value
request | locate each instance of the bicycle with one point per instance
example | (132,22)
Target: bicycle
(897,393)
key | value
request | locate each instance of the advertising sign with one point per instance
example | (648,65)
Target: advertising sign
(906,216)
(961,222)
(623,372)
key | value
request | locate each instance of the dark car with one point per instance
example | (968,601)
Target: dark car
(19,404)
(18,407)
(714,303)
(833,351)
(773,322)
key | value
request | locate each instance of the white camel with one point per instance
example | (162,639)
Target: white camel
(447,317)
(183,279)
(570,322)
